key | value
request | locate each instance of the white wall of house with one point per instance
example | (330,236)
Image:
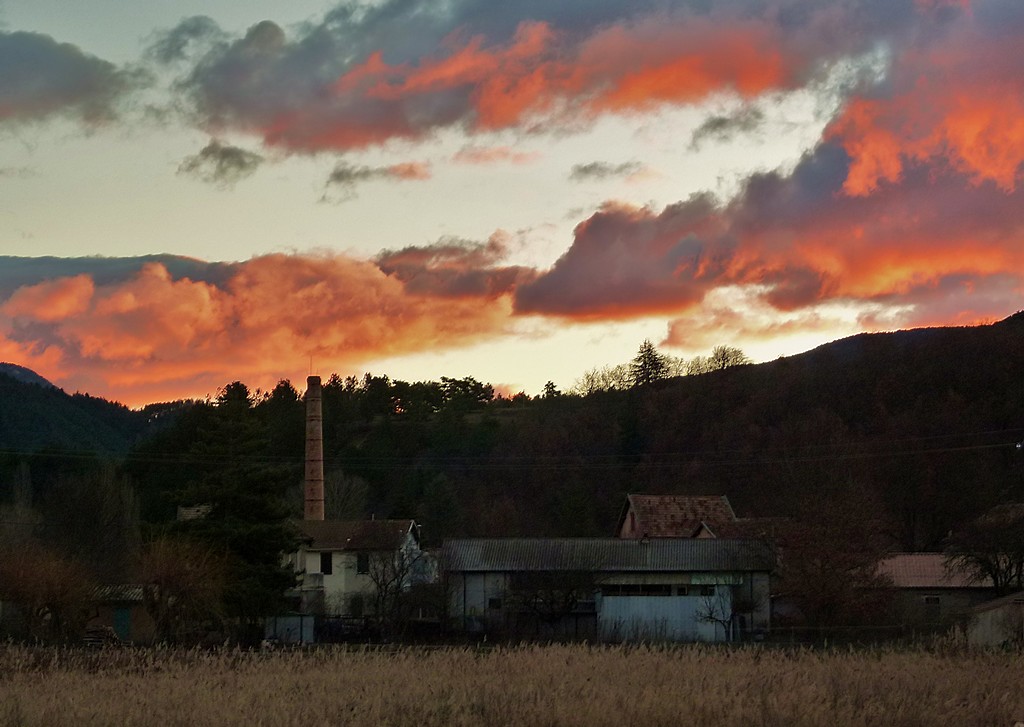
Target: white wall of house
(349,575)
(342,582)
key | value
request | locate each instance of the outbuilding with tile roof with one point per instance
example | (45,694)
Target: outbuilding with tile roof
(928,592)
(675,516)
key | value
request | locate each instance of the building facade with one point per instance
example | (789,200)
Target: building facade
(343,564)
(610,589)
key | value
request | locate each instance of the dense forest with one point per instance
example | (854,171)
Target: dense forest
(906,436)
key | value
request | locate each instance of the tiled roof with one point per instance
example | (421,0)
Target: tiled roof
(354,534)
(926,570)
(678,516)
(605,555)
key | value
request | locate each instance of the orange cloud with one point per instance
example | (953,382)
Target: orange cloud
(799,241)
(155,336)
(539,78)
(409,171)
(954,99)
(492,155)
(656,63)
(53,300)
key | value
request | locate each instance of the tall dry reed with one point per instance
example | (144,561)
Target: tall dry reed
(528,685)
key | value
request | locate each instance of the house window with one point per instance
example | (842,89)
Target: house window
(327,563)
(494,604)
(682,590)
(362,563)
(931,600)
(707,590)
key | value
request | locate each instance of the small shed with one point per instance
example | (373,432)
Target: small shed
(998,623)
(121,608)
(928,593)
(670,589)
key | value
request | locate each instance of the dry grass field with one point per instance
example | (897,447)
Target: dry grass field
(529,685)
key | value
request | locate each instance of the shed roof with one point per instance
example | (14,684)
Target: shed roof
(354,534)
(677,516)
(119,593)
(606,555)
(926,570)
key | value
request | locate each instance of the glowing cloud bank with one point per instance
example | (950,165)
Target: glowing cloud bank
(907,210)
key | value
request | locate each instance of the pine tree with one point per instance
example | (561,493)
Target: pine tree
(647,366)
(247,519)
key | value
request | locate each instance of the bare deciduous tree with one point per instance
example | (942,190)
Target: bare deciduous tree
(717,608)
(183,585)
(53,593)
(991,547)
(393,573)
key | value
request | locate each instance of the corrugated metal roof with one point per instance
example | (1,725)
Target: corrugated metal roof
(606,555)
(123,592)
(926,570)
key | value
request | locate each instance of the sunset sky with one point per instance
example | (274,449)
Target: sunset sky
(197,192)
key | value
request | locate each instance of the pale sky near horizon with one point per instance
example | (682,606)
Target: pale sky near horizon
(516,193)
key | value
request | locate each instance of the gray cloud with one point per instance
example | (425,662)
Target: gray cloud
(338,83)
(344,179)
(726,127)
(603,170)
(16,172)
(454,268)
(17,272)
(221,164)
(43,78)
(197,34)
(801,239)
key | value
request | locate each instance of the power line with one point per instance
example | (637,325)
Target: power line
(805,453)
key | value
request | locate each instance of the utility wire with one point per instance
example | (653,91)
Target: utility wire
(819,452)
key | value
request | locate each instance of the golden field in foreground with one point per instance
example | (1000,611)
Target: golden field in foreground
(527,685)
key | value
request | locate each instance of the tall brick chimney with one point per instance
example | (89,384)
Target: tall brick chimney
(314,481)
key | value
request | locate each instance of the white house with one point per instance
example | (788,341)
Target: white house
(342,564)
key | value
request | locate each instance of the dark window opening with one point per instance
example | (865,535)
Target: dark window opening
(363,563)
(327,563)
(707,590)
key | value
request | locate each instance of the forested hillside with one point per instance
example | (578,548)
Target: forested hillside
(911,432)
(34,414)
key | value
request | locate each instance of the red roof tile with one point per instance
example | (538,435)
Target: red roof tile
(926,570)
(678,516)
